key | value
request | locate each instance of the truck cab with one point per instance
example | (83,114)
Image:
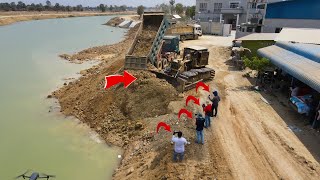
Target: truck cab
(171,44)
(197,29)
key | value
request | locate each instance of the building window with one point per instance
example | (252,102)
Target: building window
(234,5)
(217,7)
(253,5)
(203,7)
(278,30)
(216,19)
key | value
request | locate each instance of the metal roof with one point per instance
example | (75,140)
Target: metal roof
(259,36)
(300,35)
(198,48)
(309,51)
(176,16)
(297,65)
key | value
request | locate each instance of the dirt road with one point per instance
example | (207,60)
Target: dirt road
(254,138)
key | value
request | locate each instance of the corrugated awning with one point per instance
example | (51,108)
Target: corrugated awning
(299,35)
(297,65)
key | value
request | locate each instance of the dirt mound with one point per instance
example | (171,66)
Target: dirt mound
(147,97)
(119,109)
(115,21)
(144,41)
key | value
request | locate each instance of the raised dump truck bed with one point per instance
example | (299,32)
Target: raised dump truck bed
(147,41)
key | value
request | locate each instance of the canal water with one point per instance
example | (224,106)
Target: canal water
(30,69)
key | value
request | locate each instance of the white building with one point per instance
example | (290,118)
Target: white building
(233,12)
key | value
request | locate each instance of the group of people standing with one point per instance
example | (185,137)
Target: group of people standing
(210,110)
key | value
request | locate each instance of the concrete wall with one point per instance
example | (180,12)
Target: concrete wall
(272,24)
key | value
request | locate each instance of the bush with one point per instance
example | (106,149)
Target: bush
(255,63)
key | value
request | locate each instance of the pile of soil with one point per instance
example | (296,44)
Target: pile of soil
(145,40)
(115,21)
(115,112)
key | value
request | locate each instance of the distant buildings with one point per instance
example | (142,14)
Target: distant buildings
(233,12)
(255,16)
(294,14)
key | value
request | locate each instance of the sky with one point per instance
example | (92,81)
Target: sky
(93,3)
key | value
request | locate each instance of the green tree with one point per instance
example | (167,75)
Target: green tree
(32,7)
(68,8)
(179,8)
(165,8)
(79,7)
(56,7)
(140,10)
(13,6)
(257,64)
(22,6)
(123,8)
(39,7)
(111,8)
(102,8)
(191,11)
(48,5)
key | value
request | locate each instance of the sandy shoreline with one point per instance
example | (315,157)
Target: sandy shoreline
(7,18)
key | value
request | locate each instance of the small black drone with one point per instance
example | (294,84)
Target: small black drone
(35,176)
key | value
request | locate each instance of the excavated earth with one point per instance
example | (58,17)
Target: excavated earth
(144,41)
(248,139)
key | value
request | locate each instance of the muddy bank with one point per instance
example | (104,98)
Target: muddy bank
(119,19)
(10,18)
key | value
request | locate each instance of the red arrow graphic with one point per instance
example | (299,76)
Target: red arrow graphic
(126,79)
(184,111)
(164,125)
(205,87)
(194,99)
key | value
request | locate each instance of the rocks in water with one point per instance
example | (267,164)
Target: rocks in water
(130,171)
(49,96)
(65,56)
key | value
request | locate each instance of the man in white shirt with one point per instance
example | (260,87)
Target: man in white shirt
(179,143)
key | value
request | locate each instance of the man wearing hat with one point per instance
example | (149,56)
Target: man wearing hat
(215,102)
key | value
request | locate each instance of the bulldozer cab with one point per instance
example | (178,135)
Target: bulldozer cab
(196,55)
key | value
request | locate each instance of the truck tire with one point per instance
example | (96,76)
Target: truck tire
(164,63)
(159,65)
(182,38)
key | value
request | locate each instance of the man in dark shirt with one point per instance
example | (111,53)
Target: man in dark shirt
(199,129)
(215,102)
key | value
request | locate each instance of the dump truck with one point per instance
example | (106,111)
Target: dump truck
(150,46)
(185,32)
(147,42)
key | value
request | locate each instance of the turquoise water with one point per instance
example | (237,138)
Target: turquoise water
(30,69)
